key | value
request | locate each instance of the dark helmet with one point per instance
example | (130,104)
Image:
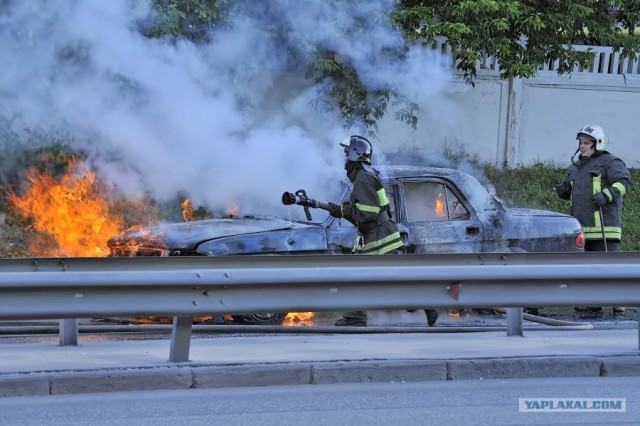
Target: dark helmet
(357,148)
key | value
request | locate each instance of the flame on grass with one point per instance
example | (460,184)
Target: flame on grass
(70,215)
(187,210)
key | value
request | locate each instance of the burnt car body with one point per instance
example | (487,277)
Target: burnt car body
(438,210)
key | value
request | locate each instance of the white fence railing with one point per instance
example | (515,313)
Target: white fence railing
(187,286)
(605,60)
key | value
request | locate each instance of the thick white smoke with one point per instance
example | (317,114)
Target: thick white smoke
(162,116)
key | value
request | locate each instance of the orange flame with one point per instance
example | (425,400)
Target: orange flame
(70,215)
(232,211)
(440,206)
(187,210)
(299,318)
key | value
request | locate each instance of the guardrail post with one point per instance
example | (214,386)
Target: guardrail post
(180,339)
(514,322)
(69,332)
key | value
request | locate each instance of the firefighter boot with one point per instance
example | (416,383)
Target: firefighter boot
(532,311)
(432,316)
(353,319)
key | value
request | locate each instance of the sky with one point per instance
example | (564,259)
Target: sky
(161,116)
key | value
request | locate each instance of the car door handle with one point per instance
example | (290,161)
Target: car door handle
(472,230)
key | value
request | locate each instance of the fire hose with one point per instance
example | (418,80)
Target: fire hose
(566,325)
(604,235)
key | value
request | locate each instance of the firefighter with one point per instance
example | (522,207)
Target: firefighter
(368,209)
(595,184)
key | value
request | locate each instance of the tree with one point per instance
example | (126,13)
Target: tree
(359,105)
(522,34)
(185,18)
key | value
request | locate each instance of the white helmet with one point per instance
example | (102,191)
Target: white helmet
(594,132)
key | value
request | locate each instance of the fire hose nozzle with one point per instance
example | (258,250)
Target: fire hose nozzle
(289,198)
(300,198)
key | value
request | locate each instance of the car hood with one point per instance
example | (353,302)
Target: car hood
(189,234)
(516,211)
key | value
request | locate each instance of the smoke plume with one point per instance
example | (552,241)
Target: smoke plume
(232,120)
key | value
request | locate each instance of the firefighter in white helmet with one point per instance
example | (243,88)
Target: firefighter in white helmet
(595,184)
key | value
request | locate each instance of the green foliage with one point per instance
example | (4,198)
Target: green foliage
(530,187)
(186,18)
(631,215)
(407,113)
(522,34)
(13,240)
(358,106)
(16,161)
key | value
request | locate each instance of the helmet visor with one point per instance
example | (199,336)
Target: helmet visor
(586,137)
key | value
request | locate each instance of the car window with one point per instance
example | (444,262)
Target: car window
(432,202)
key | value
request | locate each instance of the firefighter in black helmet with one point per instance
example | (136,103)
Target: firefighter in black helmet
(368,206)
(368,209)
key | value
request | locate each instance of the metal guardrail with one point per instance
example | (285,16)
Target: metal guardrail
(69,288)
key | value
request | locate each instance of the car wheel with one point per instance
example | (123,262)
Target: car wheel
(261,319)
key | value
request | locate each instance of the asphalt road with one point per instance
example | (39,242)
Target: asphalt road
(481,402)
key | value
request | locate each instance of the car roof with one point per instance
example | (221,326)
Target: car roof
(472,189)
(464,180)
(398,171)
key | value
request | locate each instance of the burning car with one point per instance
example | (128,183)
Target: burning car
(438,210)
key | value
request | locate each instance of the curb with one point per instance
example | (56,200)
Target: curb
(313,373)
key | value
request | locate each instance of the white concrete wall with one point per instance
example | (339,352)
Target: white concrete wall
(462,119)
(555,108)
(529,121)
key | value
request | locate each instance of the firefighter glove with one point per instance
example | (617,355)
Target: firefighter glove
(561,188)
(600,199)
(336,210)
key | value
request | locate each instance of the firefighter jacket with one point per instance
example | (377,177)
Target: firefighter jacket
(602,172)
(368,210)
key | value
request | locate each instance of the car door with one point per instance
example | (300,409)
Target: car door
(439,218)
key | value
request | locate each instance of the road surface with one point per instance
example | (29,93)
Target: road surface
(481,402)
